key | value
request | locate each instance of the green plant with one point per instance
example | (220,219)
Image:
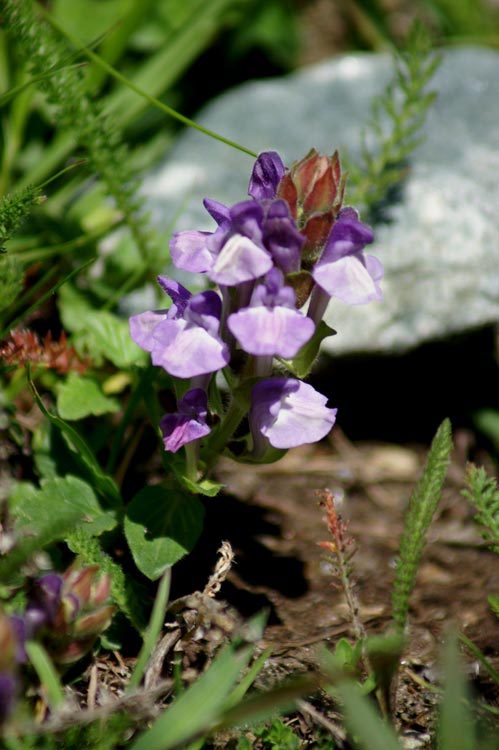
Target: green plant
(483,494)
(375,659)
(422,507)
(111,83)
(456,726)
(274,736)
(392,133)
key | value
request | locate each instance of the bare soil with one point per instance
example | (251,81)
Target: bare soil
(272,518)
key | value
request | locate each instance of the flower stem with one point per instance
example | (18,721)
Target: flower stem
(191,460)
(318,304)
(223,434)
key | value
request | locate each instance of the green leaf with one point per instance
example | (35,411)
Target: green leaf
(104,483)
(110,336)
(422,507)
(47,674)
(81,396)
(363,721)
(207,487)
(347,656)
(494,604)
(456,726)
(60,498)
(152,634)
(99,331)
(125,592)
(304,360)
(161,526)
(46,515)
(199,707)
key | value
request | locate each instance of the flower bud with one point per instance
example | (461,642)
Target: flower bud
(314,189)
(71,610)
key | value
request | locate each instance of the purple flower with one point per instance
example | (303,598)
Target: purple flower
(267,172)
(288,413)
(251,237)
(271,325)
(343,270)
(281,236)
(183,340)
(47,595)
(8,690)
(188,423)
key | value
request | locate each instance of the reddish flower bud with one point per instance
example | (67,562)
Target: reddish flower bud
(71,611)
(94,623)
(79,582)
(314,189)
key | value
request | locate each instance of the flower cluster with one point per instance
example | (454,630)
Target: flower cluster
(275,261)
(66,612)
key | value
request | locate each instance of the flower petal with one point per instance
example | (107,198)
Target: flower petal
(267,171)
(143,325)
(349,279)
(217,211)
(188,423)
(240,260)
(278,331)
(189,251)
(193,351)
(289,413)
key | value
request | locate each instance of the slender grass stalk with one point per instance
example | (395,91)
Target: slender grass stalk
(41,300)
(152,632)
(41,48)
(46,673)
(140,92)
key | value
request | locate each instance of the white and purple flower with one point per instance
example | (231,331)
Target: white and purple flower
(271,325)
(188,423)
(290,243)
(288,413)
(252,237)
(343,270)
(184,339)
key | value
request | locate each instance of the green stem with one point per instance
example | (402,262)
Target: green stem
(191,460)
(46,673)
(226,429)
(153,631)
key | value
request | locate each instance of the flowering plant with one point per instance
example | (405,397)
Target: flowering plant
(275,261)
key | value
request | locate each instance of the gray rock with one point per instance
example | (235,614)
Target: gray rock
(441,250)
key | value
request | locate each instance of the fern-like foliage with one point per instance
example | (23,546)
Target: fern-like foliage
(14,209)
(43,50)
(483,494)
(422,506)
(392,133)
